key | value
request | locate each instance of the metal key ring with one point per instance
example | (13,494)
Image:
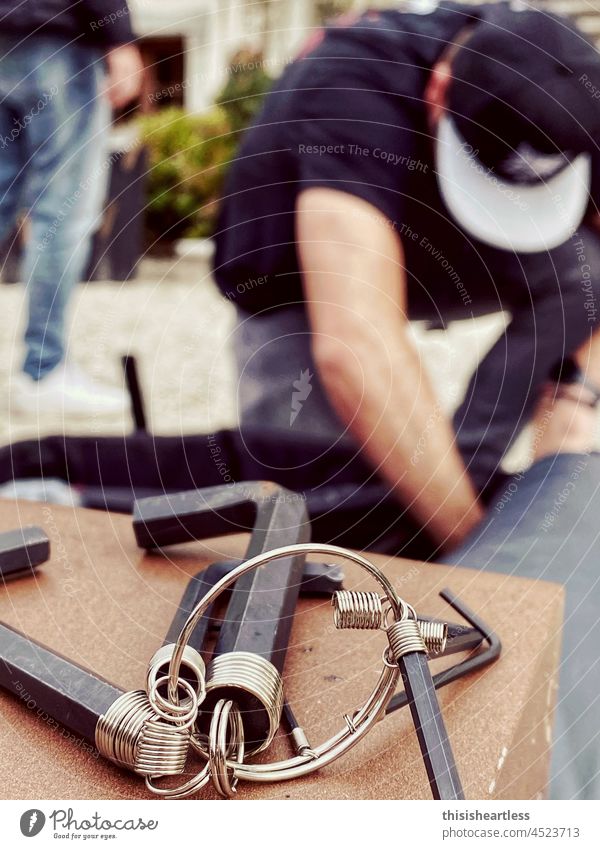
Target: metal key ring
(184,715)
(184,790)
(361,721)
(399,607)
(226,718)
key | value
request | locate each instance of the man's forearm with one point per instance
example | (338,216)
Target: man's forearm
(381,391)
(355,286)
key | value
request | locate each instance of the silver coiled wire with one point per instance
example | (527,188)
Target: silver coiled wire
(255,675)
(404,636)
(357,610)
(133,735)
(192,663)
(435,635)
(351,733)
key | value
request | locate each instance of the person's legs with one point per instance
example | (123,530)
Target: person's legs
(551,319)
(11,153)
(544,526)
(65,150)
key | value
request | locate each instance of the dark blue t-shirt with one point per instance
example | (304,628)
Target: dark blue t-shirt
(350,115)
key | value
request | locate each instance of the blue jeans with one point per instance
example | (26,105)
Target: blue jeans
(53,127)
(544,525)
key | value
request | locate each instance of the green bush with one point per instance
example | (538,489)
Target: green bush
(247,84)
(188,154)
(187,158)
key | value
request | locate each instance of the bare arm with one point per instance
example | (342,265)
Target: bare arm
(355,289)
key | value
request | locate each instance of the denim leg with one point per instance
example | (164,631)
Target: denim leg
(544,526)
(11,163)
(65,175)
(551,297)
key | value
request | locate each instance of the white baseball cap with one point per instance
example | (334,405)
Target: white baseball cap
(524,215)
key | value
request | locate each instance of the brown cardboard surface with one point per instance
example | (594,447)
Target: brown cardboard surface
(107,605)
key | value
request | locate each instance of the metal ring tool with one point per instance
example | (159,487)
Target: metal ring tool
(406,651)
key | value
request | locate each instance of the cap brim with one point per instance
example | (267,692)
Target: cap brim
(515,217)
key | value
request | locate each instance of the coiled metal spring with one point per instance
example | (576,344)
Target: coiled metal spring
(191,664)
(358,610)
(435,635)
(132,734)
(404,637)
(247,673)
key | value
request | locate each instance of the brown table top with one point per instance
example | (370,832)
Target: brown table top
(107,605)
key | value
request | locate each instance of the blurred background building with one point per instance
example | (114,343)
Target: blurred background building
(193,40)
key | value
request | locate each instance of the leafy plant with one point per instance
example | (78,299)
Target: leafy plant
(189,154)
(246,86)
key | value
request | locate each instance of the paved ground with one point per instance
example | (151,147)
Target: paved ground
(174,321)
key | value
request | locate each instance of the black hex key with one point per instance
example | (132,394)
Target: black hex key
(58,687)
(259,616)
(429,724)
(23,549)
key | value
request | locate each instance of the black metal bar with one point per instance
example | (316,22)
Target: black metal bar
(259,616)
(22,549)
(318,579)
(429,724)
(196,588)
(138,407)
(182,517)
(50,685)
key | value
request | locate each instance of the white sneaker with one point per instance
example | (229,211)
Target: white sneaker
(67,390)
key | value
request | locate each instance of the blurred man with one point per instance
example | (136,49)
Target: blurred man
(433,164)
(62,66)
(439,164)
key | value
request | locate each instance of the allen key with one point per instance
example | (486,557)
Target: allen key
(409,644)
(22,550)
(420,695)
(67,692)
(432,735)
(250,652)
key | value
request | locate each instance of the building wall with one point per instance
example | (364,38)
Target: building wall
(213,30)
